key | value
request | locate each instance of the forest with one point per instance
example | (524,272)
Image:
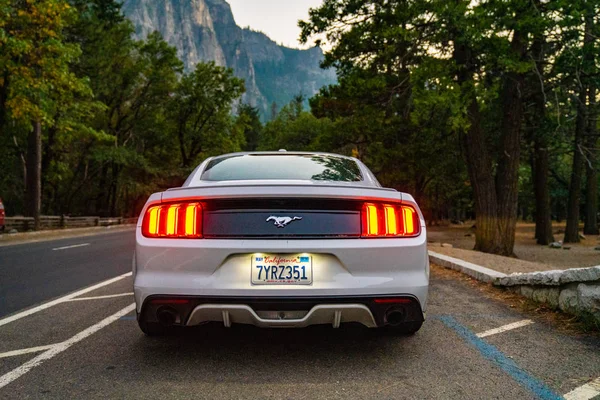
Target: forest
(482,110)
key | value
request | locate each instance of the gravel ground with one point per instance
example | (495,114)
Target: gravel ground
(530,256)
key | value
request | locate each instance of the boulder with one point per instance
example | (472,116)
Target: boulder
(526,291)
(589,298)
(580,275)
(567,301)
(555,245)
(549,295)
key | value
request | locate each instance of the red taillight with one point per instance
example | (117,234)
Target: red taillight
(393,300)
(170,301)
(180,220)
(389,220)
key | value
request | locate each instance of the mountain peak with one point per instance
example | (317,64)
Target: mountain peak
(205,30)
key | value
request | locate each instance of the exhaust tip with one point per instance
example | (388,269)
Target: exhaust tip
(395,316)
(167,316)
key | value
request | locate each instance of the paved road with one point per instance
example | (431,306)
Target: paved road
(90,347)
(34,272)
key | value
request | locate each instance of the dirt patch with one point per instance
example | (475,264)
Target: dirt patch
(530,256)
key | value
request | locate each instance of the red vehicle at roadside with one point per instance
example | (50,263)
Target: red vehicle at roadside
(2,215)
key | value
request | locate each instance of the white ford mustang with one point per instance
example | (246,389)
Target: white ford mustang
(281,239)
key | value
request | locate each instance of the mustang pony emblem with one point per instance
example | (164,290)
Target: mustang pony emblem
(282,222)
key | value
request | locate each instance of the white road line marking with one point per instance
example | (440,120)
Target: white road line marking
(60,347)
(505,328)
(52,303)
(26,351)
(585,392)
(109,296)
(71,247)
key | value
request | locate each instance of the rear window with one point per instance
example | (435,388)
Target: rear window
(314,167)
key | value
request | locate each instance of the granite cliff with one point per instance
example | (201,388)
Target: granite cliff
(205,30)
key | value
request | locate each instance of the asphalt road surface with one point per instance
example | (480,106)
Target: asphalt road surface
(68,330)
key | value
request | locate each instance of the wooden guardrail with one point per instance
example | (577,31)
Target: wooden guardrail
(23,224)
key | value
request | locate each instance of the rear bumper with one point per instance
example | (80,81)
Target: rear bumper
(221,268)
(284,312)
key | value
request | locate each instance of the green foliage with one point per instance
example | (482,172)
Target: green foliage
(294,129)
(113,109)
(249,119)
(200,111)
(409,71)
(121,118)
(34,62)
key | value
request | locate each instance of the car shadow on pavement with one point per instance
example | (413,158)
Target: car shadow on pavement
(212,350)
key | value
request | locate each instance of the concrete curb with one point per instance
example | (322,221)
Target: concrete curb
(473,270)
(551,278)
(575,291)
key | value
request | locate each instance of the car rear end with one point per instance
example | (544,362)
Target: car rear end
(281,252)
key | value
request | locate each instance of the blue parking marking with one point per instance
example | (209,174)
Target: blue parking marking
(504,363)
(128,318)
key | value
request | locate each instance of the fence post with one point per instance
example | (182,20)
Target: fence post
(97,221)
(62,221)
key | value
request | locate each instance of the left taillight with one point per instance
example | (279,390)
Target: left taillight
(173,221)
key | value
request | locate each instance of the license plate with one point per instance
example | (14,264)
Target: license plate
(273,269)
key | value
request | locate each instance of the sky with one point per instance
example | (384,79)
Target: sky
(277,18)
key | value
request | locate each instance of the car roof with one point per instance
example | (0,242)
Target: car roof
(283,153)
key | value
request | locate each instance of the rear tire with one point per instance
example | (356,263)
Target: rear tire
(405,329)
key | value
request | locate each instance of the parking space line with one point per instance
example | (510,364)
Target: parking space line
(108,296)
(585,392)
(71,247)
(60,347)
(505,328)
(501,361)
(26,351)
(60,300)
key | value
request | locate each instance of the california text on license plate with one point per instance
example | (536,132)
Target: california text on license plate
(273,269)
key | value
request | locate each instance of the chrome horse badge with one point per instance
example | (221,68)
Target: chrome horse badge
(282,222)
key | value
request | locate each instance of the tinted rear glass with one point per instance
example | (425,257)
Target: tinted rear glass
(282,166)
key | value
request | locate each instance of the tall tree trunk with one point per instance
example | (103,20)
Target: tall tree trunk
(102,191)
(507,179)
(540,164)
(34,174)
(572,230)
(3,98)
(591,198)
(479,165)
(47,158)
(507,176)
(543,218)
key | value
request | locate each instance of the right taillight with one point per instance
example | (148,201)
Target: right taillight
(389,220)
(173,221)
